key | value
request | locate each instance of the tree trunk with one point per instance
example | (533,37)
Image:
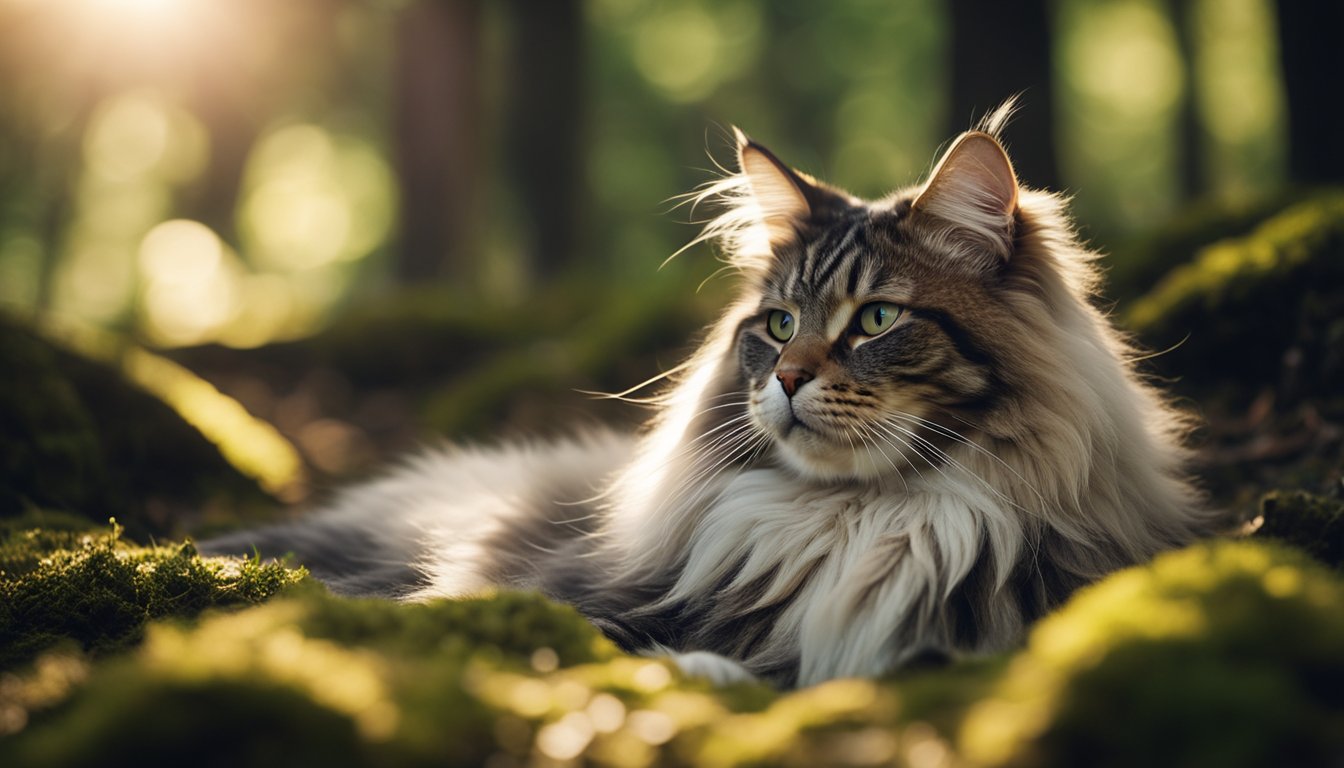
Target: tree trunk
(1313,68)
(437,130)
(1001,49)
(543,129)
(1192,178)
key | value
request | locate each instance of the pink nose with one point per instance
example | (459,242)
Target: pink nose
(792,379)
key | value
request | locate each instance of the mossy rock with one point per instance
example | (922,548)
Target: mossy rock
(51,455)
(1313,524)
(1262,310)
(1133,268)
(1224,654)
(77,436)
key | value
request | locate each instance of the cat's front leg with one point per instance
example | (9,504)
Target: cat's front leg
(718,670)
(707,665)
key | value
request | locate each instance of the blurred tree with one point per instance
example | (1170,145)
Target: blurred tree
(998,50)
(1313,67)
(543,124)
(438,139)
(1190,176)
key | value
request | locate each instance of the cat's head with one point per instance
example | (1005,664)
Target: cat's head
(882,330)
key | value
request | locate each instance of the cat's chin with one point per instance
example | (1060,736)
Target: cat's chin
(813,456)
(806,447)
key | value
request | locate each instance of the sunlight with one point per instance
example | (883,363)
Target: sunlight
(137,6)
(140,133)
(142,10)
(314,199)
(191,282)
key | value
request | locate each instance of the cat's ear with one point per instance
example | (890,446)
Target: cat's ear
(972,196)
(782,195)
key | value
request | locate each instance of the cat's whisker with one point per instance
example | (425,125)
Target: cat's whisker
(867,447)
(721,447)
(706,475)
(624,395)
(878,438)
(690,448)
(954,435)
(887,439)
(940,429)
(945,456)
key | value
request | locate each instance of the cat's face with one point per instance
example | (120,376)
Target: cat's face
(869,341)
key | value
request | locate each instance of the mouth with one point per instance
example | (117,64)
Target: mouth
(796,422)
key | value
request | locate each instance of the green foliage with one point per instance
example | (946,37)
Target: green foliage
(98,592)
(1263,309)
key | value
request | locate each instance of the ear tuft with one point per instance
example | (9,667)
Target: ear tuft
(973,195)
(776,190)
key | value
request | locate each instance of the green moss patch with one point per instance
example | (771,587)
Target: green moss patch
(1265,309)
(1313,524)
(97,592)
(1224,654)
(1227,653)
(77,435)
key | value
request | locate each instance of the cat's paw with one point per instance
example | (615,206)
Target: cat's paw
(718,670)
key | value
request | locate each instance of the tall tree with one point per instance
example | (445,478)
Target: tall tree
(1191,174)
(437,129)
(543,127)
(1313,67)
(1000,49)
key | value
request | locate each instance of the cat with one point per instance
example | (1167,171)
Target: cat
(912,433)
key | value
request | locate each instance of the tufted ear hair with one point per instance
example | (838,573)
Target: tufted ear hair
(785,198)
(972,197)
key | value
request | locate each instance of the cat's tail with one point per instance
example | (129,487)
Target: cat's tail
(438,524)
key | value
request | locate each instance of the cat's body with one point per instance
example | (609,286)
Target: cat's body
(911,433)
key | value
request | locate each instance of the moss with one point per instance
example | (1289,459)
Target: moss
(1224,654)
(51,456)
(1266,309)
(1227,653)
(1313,524)
(98,592)
(129,719)
(1134,267)
(77,436)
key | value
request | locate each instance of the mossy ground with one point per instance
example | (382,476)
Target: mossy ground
(1227,653)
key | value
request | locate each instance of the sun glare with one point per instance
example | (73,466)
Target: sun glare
(146,7)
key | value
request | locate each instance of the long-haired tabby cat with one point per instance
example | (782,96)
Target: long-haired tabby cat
(911,432)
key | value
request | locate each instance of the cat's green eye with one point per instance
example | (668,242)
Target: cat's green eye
(877,317)
(780,325)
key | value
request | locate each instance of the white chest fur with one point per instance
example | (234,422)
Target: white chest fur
(859,568)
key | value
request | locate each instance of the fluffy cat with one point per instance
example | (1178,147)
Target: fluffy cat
(911,433)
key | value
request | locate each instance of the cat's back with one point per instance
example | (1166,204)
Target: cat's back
(448,521)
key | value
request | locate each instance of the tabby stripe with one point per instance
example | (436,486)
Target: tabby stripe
(823,269)
(852,284)
(964,342)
